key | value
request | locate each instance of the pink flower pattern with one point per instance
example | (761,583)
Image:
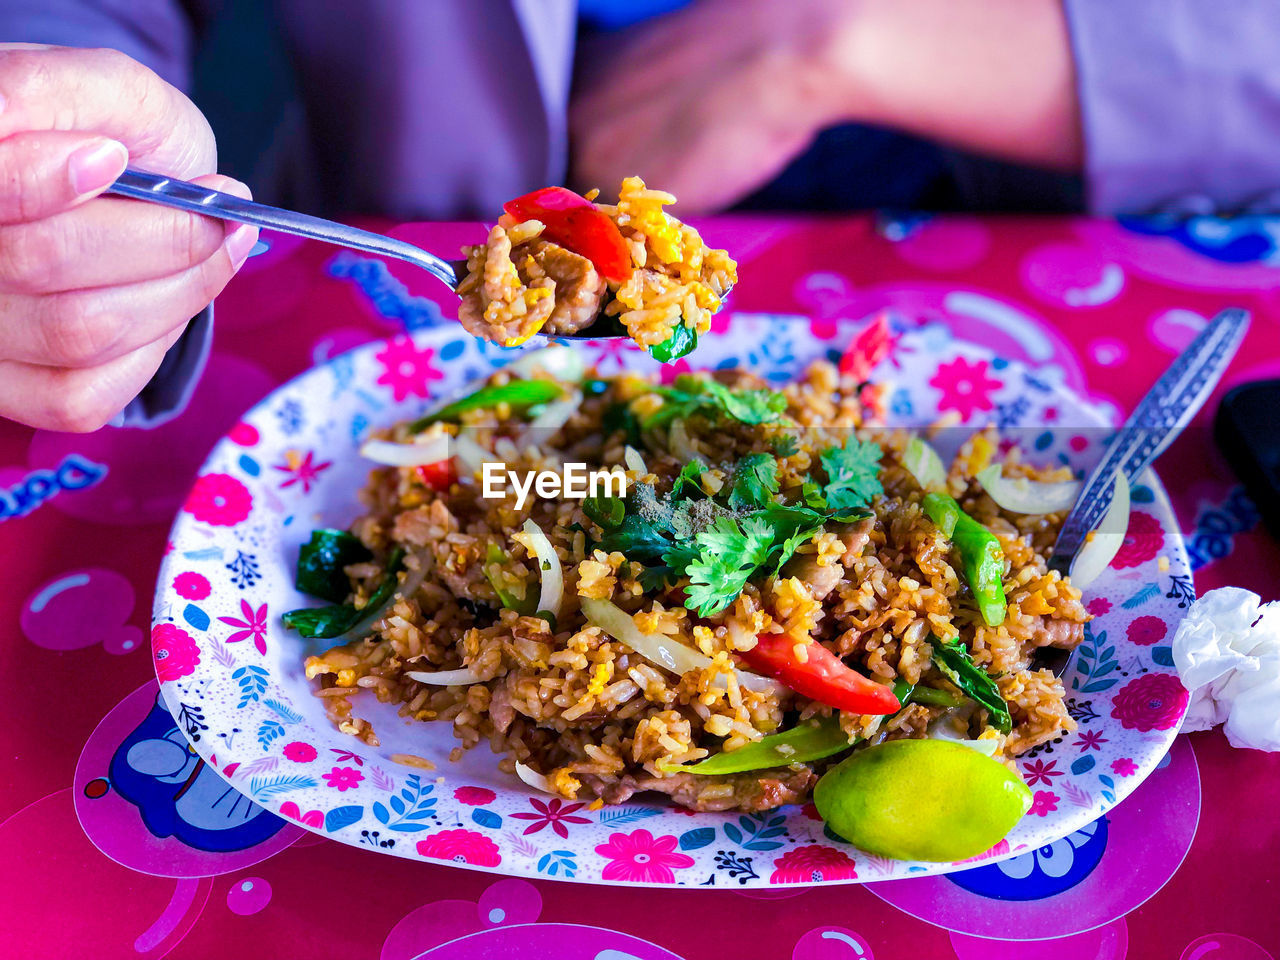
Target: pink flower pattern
(219,500)
(407,369)
(640,857)
(299,752)
(343,779)
(1098,606)
(554,815)
(301,469)
(1043,803)
(174,651)
(1142,541)
(1145,631)
(253,626)
(965,387)
(191,586)
(474,796)
(1088,740)
(462,846)
(312,818)
(1153,701)
(1037,771)
(1124,767)
(812,862)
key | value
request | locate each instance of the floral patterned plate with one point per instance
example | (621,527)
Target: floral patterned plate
(232,676)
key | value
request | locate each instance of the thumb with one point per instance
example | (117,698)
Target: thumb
(47,172)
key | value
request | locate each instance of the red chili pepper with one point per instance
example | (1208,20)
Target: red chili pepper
(438,475)
(821,677)
(870,345)
(576,224)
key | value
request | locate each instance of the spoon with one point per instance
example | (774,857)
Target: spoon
(169,192)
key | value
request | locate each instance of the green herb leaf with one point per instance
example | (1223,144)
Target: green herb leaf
(955,663)
(326,622)
(784,445)
(637,539)
(680,344)
(619,418)
(690,395)
(731,551)
(321,561)
(606,511)
(852,474)
(755,481)
(690,476)
(520,395)
(792,528)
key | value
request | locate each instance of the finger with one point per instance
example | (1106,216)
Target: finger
(107,93)
(87,328)
(45,172)
(110,242)
(75,401)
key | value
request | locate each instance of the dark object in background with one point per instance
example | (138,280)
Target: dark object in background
(1247,428)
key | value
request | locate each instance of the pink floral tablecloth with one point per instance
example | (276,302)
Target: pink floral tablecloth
(105,851)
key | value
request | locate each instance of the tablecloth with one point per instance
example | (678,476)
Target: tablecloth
(100,858)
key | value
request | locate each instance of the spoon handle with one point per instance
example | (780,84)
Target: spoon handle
(153,188)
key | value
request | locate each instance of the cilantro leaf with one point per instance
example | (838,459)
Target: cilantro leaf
(852,474)
(637,539)
(792,528)
(689,476)
(690,395)
(731,552)
(755,481)
(748,406)
(784,445)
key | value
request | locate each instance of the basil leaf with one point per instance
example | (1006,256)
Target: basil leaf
(956,664)
(323,623)
(680,344)
(321,561)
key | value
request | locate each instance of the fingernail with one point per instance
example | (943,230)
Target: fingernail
(239,243)
(96,165)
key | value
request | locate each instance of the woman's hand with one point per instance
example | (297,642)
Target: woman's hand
(709,102)
(93,289)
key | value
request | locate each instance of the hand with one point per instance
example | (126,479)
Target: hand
(93,289)
(709,102)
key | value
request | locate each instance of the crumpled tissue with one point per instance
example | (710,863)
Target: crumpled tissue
(1227,652)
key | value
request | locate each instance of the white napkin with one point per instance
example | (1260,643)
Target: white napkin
(1227,652)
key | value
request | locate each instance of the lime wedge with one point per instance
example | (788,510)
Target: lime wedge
(921,800)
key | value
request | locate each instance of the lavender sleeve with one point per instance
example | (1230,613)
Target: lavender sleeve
(1180,103)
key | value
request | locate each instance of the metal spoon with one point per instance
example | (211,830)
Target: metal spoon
(169,192)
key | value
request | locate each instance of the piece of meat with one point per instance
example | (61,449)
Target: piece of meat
(501,712)
(752,792)
(1064,634)
(579,289)
(821,580)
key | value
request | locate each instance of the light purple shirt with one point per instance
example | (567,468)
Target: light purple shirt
(441,109)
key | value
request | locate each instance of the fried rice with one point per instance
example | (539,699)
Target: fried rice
(519,284)
(596,719)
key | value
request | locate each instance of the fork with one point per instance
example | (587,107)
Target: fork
(183,195)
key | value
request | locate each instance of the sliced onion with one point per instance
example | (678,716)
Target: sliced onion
(445,678)
(925,465)
(557,413)
(408,587)
(563,363)
(406,454)
(661,649)
(1021,495)
(1100,549)
(549,567)
(472,455)
(942,729)
(534,779)
(679,443)
(631,457)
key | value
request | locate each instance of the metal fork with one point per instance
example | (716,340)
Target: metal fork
(1155,423)
(169,192)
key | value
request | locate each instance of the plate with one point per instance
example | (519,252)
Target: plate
(233,679)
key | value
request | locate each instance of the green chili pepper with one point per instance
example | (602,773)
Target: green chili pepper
(980,554)
(520,395)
